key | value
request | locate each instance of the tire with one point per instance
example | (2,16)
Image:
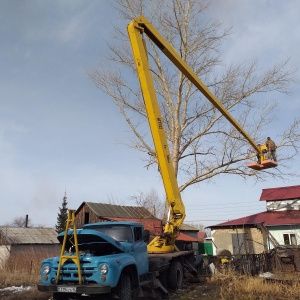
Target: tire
(175,275)
(124,287)
(163,278)
(59,296)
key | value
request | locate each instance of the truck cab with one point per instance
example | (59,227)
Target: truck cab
(113,255)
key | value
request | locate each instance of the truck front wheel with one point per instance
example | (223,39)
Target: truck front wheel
(124,287)
(175,275)
(59,296)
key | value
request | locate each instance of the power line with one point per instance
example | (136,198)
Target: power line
(205,221)
(227,211)
(224,204)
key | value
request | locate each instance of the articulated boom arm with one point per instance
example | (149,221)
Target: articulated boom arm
(176,215)
(136,28)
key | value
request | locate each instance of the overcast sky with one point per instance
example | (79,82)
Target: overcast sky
(59,133)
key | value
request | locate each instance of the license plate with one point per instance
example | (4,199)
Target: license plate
(66,289)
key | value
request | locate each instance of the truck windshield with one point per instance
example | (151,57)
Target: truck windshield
(119,233)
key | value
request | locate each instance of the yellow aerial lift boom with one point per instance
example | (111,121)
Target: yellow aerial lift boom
(176,215)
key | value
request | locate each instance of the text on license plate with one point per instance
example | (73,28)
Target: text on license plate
(66,289)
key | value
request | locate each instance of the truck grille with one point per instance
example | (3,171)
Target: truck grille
(69,271)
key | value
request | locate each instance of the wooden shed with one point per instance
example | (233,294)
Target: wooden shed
(19,243)
(90,212)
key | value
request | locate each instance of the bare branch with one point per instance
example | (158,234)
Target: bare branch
(202,143)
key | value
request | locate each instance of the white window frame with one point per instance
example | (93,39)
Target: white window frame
(292,240)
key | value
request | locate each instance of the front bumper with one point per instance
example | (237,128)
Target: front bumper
(74,289)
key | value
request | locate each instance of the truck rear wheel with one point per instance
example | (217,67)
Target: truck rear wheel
(175,275)
(163,278)
(124,287)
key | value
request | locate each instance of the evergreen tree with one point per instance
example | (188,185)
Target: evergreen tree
(62,216)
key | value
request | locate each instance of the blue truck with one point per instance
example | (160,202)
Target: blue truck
(114,262)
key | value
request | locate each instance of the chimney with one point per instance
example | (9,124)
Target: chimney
(26,221)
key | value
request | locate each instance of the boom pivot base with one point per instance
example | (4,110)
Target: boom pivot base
(161,244)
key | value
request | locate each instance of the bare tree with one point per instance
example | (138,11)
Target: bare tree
(202,142)
(112,199)
(151,202)
(200,227)
(21,222)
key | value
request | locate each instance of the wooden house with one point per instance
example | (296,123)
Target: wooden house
(254,234)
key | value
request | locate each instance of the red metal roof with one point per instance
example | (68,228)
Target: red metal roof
(186,238)
(269,218)
(201,235)
(280,193)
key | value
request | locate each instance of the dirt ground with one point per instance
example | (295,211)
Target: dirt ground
(196,290)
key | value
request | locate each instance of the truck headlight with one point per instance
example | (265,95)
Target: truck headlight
(103,269)
(46,269)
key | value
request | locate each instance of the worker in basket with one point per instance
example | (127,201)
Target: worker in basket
(271,148)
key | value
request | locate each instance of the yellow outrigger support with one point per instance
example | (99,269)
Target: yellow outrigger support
(75,258)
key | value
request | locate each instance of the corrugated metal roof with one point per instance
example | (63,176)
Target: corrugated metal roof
(29,235)
(119,211)
(269,218)
(280,193)
(188,227)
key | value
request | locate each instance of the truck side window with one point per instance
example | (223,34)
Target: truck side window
(138,234)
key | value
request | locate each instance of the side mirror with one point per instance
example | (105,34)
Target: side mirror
(146,236)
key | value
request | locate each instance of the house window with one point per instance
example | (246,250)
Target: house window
(289,239)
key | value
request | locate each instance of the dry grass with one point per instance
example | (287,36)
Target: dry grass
(22,270)
(256,288)
(19,271)
(233,287)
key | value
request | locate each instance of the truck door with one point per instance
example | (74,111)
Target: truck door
(140,251)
